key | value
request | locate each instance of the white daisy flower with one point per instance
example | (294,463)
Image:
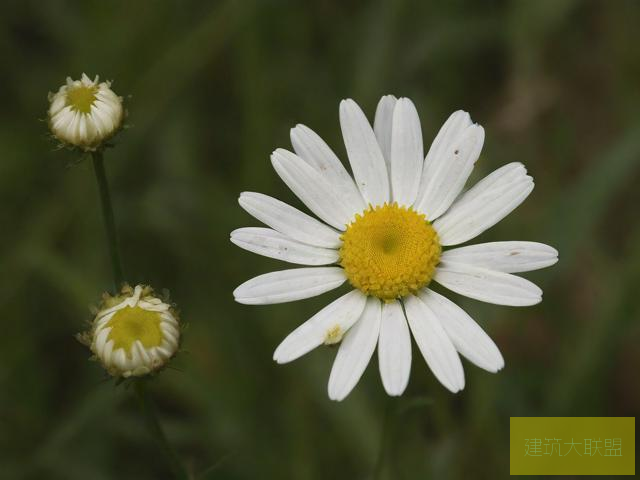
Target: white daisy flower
(134,333)
(85,113)
(387,233)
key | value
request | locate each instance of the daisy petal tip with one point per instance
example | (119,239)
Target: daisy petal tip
(553,257)
(519,166)
(529,302)
(462,114)
(276,161)
(279,358)
(395,390)
(244,197)
(238,296)
(456,386)
(276,154)
(297,131)
(348,104)
(496,367)
(475,134)
(336,395)
(242,301)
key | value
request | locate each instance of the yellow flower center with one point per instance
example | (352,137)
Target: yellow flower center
(389,251)
(131,324)
(81,98)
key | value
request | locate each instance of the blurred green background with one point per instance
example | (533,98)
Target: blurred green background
(212,88)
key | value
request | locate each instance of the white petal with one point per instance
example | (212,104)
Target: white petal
(72,129)
(394,349)
(142,352)
(313,150)
(484,205)
(270,243)
(120,359)
(434,343)
(487,285)
(355,351)
(365,156)
(314,191)
(104,122)
(339,315)
(101,339)
(447,173)
(505,175)
(508,257)
(289,285)
(82,128)
(289,220)
(406,152)
(465,334)
(449,133)
(57,104)
(62,119)
(383,124)
(106,353)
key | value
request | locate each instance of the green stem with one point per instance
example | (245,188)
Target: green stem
(384,439)
(153,424)
(109,222)
(150,415)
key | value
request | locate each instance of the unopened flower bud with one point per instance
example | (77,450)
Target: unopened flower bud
(84,113)
(134,333)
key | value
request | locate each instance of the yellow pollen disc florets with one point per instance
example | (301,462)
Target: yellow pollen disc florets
(389,251)
(131,324)
(81,98)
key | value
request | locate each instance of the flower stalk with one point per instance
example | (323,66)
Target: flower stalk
(146,405)
(385,434)
(153,424)
(108,219)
